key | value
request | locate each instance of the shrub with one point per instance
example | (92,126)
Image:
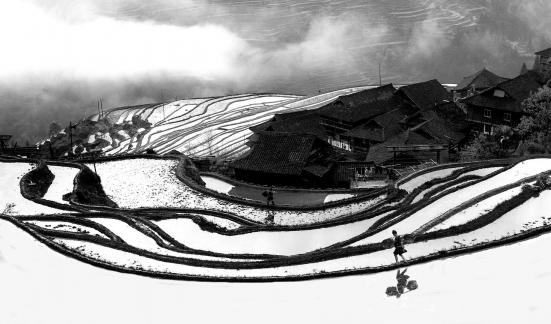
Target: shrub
(9,209)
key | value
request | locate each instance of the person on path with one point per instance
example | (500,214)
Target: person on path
(399,249)
(269,194)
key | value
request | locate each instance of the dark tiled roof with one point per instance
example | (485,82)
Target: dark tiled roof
(544,52)
(380,154)
(369,131)
(278,153)
(522,86)
(483,79)
(447,122)
(362,105)
(291,115)
(384,126)
(301,124)
(392,121)
(426,95)
(517,90)
(439,129)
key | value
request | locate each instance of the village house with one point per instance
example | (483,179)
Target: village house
(425,95)
(287,159)
(341,117)
(476,83)
(419,120)
(413,139)
(501,104)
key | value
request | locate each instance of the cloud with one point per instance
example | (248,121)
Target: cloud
(536,14)
(60,56)
(427,40)
(102,47)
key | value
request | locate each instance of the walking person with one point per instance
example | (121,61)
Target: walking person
(399,249)
(269,194)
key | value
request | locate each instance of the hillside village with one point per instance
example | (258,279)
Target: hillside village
(367,134)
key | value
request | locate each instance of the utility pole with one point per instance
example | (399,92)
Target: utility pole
(71,137)
(380,78)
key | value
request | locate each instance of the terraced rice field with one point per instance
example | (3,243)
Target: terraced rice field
(205,127)
(167,229)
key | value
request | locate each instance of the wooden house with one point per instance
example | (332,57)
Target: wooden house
(425,95)
(351,111)
(476,83)
(287,159)
(501,104)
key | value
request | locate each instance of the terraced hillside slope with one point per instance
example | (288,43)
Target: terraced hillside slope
(195,127)
(165,225)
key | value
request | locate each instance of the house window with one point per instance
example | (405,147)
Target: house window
(487,113)
(507,117)
(487,129)
(499,93)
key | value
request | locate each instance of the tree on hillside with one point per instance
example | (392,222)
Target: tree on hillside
(485,147)
(54,129)
(536,125)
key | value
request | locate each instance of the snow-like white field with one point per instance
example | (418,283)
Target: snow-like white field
(139,240)
(445,203)
(336,197)
(279,243)
(516,221)
(152,183)
(481,172)
(476,210)
(417,180)
(217,185)
(10,175)
(225,188)
(62,184)
(484,283)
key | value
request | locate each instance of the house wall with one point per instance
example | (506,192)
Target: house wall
(334,126)
(475,115)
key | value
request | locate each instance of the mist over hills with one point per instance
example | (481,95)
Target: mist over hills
(130,52)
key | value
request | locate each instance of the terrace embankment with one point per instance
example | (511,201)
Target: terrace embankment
(35,184)
(89,191)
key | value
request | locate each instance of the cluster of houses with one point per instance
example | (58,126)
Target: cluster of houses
(371,133)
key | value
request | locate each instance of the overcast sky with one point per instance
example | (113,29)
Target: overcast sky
(60,56)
